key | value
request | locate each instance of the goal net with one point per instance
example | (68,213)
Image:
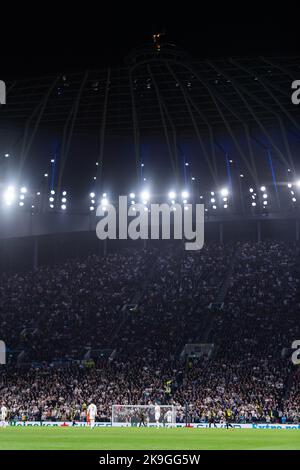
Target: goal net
(135,415)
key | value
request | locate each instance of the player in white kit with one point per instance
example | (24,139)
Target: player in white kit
(92,411)
(157,414)
(169,419)
(4,414)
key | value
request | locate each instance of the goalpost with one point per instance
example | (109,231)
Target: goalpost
(130,415)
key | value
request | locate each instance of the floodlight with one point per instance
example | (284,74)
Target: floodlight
(224,192)
(185,194)
(172,195)
(145,195)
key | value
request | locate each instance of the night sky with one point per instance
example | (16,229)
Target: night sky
(53,40)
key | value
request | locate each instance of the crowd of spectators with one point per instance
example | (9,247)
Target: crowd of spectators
(62,312)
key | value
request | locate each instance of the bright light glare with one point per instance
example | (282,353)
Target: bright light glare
(9,195)
(104,201)
(298,184)
(172,195)
(224,192)
(23,190)
(263,188)
(185,194)
(145,195)
(63,206)
(132,195)
(92,195)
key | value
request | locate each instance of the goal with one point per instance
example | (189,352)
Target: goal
(130,415)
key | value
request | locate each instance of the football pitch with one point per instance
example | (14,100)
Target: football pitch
(26,438)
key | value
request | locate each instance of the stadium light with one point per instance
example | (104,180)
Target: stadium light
(22,196)
(63,199)
(64,193)
(225,206)
(214,207)
(263,188)
(6,155)
(172,195)
(92,208)
(298,183)
(212,199)
(104,201)
(21,203)
(290,185)
(251,190)
(132,195)
(23,190)
(294,199)
(224,192)
(265,195)
(92,195)
(184,195)
(265,203)
(9,195)
(63,207)
(253,204)
(46,175)
(52,191)
(145,196)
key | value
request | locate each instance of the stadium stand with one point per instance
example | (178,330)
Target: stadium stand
(133,355)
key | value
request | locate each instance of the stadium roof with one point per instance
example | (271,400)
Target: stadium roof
(172,88)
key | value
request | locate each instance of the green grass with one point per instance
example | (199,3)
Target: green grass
(147,439)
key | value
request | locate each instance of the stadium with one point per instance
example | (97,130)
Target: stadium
(143,344)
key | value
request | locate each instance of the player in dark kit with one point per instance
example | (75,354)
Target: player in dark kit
(142,418)
(228,415)
(212,419)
